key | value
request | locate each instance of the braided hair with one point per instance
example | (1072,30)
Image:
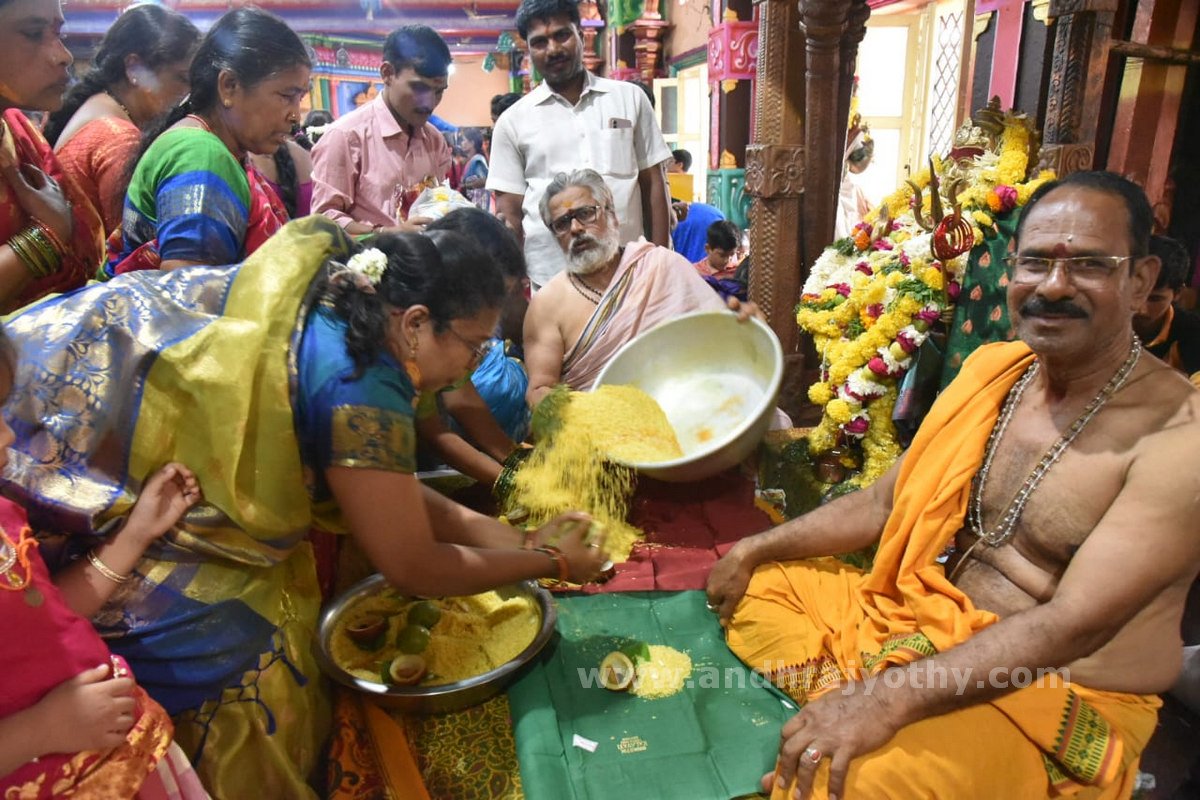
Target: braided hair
(157,36)
(252,44)
(285,177)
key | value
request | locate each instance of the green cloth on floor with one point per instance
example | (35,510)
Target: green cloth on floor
(713,740)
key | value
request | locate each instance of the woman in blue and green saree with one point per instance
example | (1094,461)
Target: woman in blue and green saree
(288,382)
(194,198)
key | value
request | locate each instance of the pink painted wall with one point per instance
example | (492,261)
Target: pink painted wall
(468,98)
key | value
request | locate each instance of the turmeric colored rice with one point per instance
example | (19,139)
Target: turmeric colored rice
(474,635)
(584,465)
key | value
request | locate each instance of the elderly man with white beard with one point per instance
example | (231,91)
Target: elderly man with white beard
(609,292)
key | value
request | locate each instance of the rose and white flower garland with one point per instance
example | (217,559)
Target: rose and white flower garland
(871,299)
(868,311)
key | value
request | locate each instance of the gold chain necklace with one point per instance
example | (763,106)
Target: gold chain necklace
(1008,520)
(113,97)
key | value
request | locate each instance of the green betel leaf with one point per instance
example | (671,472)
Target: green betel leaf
(637,652)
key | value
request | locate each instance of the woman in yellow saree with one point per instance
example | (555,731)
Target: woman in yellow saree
(288,382)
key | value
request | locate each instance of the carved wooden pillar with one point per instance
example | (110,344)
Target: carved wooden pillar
(775,169)
(1082,30)
(591,29)
(856,29)
(775,180)
(806,56)
(648,34)
(830,49)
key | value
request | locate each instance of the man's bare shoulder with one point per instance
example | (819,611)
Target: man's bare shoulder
(1164,404)
(551,293)
(1160,427)
(547,303)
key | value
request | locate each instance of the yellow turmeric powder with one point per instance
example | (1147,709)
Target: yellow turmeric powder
(664,673)
(584,464)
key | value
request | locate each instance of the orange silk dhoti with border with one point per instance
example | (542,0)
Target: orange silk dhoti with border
(810,625)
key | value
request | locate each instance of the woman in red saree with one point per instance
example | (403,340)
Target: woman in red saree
(139,71)
(51,237)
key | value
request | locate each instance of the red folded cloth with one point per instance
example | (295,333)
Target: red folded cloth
(688,527)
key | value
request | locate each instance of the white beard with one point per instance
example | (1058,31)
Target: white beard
(594,258)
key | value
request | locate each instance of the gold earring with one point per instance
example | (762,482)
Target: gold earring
(228,103)
(411,367)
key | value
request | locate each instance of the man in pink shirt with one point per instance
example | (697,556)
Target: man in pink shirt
(367,159)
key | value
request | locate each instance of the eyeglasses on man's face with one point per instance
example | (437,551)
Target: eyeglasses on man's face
(585,214)
(1080,270)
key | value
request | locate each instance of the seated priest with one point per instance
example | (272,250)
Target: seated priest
(609,292)
(1063,470)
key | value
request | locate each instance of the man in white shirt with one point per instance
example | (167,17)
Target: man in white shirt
(575,120)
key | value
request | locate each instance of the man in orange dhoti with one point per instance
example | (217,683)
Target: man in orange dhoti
(1064,470)
(607,295)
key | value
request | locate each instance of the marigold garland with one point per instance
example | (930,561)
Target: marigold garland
(871,299)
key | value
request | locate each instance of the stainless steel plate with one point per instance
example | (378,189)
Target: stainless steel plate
(429,699)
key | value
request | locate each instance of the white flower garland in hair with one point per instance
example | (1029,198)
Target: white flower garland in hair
(370,263)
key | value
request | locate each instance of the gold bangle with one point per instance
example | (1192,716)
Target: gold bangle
(22,244)
(36,249)
(104,569)
(56,244)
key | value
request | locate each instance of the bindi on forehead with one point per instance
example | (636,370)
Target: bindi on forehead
(573,198)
